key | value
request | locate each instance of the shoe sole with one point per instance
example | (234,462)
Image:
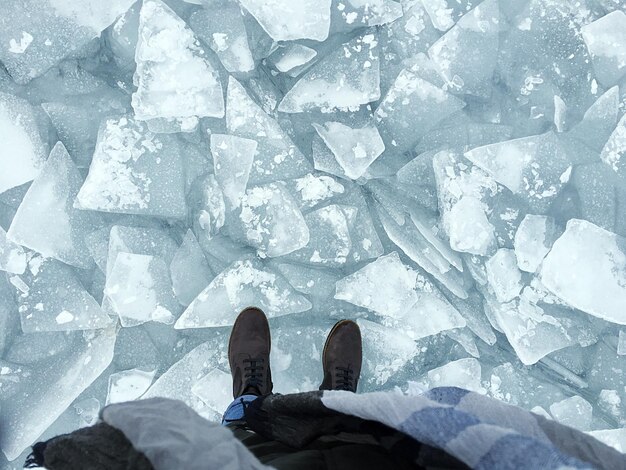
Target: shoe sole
(338,325)
(237,320)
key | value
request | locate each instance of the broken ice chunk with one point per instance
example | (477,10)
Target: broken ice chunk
(51,389)
(316,282)
(244,283)
(215,389)
(410,240)
(614,152)
(175,82)
(615,438)
(134,171)
(53,299)
(354,149)
(533,240)
(225,33)
(12,256)
(232,161)
(574,412)
(277,157)
(140,241)
(345,79)
(386,351)
(534,167)
(190,270)
(37,34)
(286,20)
(293,58)
(504,277)
(329,240)
(385,286)
(587,269)
(271,220)
(606,42)
(469,229)
(140,290)
(464,373)
(532,333)
(621,343)
(402,296)
(128,385)
(410,109)
(351,15)
(46,220)
(466,55)
(599,120)
(208,207)
(444,13)
(23,150)
(312,190)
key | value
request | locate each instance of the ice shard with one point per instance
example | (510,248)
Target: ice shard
(271,221)
(344,80)
(23,149)
(53,386)
(288,20)
(36,35)
(535,167)
(614,151)
(242,284)
(223,29)
(139,289)
(404,298)
(175,82)
(134,171)
(46,220)
(52,298)
(606,41)
(354,148)
(232,162)
(466,55)
(411,108)
(277,157)
(587,269)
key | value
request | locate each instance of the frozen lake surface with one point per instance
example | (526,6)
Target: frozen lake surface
(449,173)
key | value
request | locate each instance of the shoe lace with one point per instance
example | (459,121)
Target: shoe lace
(345,379)
(253,372)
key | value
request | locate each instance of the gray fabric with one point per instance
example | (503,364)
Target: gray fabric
(172,436)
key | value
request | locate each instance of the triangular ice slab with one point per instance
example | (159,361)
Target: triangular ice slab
(411,108)
(140,290)
(46,220)
(466,55)
(51,389)
(134,171)
(53,299)
(175,82)
(242,284)
(534,167)
(345,79)
(403,297)
(277,157)
(23,150)
(190,270)
(614,151)
(271,221)
(354,148)
(288,20)
(232,162)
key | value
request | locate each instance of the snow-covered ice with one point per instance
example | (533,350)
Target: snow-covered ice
(449,174)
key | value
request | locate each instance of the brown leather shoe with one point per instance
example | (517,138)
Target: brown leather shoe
(249,354)
(342,357)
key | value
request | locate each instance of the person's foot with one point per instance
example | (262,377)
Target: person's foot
(249,354)
(342,357)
